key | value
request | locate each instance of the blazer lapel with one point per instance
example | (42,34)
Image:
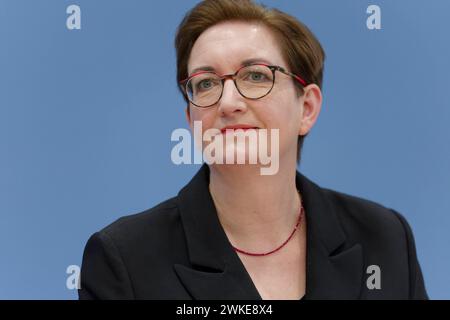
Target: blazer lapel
(216,272)
(334,268)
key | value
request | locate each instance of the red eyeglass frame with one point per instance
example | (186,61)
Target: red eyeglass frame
(232,76)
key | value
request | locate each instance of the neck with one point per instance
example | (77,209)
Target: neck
(256,211)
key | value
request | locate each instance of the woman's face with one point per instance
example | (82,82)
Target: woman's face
(224,47)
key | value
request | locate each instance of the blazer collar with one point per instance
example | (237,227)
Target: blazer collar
(334,268)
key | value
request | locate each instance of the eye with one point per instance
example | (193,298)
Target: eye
(257,76)
(206,84)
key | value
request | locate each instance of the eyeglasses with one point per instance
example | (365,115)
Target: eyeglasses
(205,88)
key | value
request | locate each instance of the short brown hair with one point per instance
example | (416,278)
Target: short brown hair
(299,47)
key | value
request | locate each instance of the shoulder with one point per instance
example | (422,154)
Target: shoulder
(386,237)
(162,212)
(366,217)
(120,260)
(152,227)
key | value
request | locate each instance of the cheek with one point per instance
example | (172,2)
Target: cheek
(279,112)
(283,114)
(207,117)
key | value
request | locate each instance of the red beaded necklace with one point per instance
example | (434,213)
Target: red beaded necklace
(300,215)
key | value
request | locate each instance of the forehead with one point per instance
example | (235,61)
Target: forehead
(226,45)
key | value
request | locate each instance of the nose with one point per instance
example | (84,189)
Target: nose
(231,100)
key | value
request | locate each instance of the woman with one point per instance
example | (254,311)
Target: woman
(232,232)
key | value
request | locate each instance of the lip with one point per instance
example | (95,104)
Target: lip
(238,126)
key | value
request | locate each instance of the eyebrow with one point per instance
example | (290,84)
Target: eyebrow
(244,63)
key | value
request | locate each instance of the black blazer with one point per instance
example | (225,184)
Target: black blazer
(179,250)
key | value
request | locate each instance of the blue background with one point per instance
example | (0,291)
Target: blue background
(86,117)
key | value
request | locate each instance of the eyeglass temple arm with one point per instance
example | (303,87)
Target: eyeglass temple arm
(298,78)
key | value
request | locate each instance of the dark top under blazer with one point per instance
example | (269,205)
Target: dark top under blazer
(179,250)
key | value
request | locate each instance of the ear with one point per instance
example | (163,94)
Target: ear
(312,103)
